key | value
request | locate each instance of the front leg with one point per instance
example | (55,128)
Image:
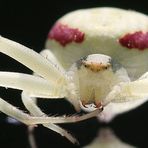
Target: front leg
(36,111)
(47,54)
(30,104)
(34,61)
(124,97)
(129,91)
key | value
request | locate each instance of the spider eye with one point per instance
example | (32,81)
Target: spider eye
(94,62)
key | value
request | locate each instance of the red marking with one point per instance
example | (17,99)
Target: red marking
(64,35)
(135,40)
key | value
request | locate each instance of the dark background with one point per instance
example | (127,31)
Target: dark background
(28,22)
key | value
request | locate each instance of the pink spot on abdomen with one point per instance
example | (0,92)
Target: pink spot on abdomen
(64,35)
(137,40)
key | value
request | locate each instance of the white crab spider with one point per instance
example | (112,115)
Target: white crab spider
(94,81)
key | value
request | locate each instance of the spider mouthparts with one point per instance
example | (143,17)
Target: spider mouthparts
(92,105)
(98,104)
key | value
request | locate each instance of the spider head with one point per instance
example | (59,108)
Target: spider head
(94,77)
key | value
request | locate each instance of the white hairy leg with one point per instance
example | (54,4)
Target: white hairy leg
(33,84)
(37,87)
(18,114)
(27,119)
(30,59)
(129,91)
(124,97)
(31,137)
(144,76)
(35,110)
(47,54)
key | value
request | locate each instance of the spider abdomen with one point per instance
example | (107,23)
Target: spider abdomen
(109,31)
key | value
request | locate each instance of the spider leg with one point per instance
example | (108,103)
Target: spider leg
(12,111)
(37,87)
(46,53)
(31,59)
(144,76)
(30,104)
(129,91)
(33,84)
(29,120)
(34,110)
(31,137)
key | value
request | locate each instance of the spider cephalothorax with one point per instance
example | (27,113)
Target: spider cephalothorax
(96,59)
(94,77)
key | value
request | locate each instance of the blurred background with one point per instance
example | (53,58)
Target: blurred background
(28,23)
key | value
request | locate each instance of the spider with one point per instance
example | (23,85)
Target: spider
(95,61)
